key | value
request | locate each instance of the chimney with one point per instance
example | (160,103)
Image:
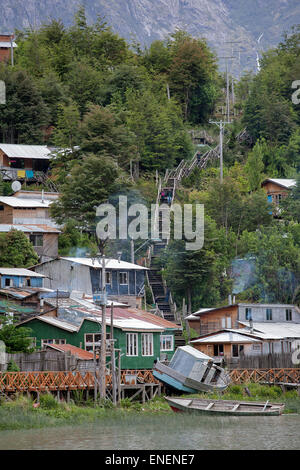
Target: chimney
(41,304)
(234,299)
(229,299)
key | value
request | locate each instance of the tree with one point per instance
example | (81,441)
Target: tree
(255,167)
(15,339)
(16,251)
(193,77)
(102,132)
(89,184)
(25,115)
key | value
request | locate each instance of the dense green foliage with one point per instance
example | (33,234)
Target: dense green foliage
(16,251)
(120,116)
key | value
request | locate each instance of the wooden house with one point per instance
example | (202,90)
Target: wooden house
(141,337)
(209,320)
(19,277)
(251,340)
(6,43)
(227,345)
(124,281)
(278,189)
(43,238)
(23,162)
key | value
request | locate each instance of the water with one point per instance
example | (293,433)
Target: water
(170,432)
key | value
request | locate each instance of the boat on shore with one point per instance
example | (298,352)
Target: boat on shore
(191,371)
(224,407)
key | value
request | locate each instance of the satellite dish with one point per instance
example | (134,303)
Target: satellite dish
(16,186)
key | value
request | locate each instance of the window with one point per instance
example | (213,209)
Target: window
(52,341)
(288,314)
(27,282)
(218,350)
(92,341)
(8,282)
(36,240)
(248,314)
(237,349)
(228,322)
(108,277)
(166,343)
(256,347)
(123,278)
(269,314)
(131,344)
(1,208)
(147,344)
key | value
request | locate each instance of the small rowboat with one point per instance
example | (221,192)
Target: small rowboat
(225,407)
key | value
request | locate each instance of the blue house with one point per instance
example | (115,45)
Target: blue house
(125,282)
(19,277)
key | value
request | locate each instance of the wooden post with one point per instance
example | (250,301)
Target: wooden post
(95,377)
(119,375)
(113,364)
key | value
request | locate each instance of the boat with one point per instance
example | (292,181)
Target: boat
(191,371)
(224,407)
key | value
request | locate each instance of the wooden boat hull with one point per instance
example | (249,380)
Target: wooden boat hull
(179,382)
(224,407)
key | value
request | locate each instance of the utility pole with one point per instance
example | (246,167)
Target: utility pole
(227,86)
(132,250)
(113,359)
(11,50)
(221,125)
(103,331)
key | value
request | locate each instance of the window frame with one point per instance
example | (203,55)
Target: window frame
(288,314)
(126,274)
(248,310)
(163,339)
(269,314)
(132,349)
(147,346)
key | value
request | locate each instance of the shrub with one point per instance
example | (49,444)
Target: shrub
(48,402)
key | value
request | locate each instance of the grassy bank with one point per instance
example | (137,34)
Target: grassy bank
(23,413)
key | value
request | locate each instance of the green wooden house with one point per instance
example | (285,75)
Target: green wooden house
(140,341)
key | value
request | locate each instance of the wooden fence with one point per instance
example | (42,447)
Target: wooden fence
(269,376)
(264,361)
(54,381)
(48,360)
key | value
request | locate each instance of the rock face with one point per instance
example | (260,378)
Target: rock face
(220,21)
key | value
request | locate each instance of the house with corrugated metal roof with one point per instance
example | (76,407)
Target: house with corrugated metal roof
(278,188)
(141,336)
(19,277)
(7,44)
(24,162)
(125,282)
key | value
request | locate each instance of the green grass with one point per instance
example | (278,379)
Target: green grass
(21,413)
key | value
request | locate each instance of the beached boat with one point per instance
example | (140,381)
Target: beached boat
(191,371)
(224,407)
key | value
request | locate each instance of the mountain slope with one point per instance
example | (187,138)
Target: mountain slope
(146,20)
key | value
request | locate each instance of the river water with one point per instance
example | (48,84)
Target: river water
(170,432)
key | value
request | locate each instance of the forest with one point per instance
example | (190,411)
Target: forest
(124,114)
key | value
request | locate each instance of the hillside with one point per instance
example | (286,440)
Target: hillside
(146,20)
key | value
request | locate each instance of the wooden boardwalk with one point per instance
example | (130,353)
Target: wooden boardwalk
(11,382)
(266,376)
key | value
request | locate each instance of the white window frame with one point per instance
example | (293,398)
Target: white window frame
(93,344)
(123,283)
(132,344)
(163,340)
(53,341)
(147,344)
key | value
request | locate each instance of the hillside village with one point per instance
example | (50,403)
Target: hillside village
(94,120)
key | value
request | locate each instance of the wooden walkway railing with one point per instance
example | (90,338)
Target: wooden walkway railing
(272,376)
(53,381)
